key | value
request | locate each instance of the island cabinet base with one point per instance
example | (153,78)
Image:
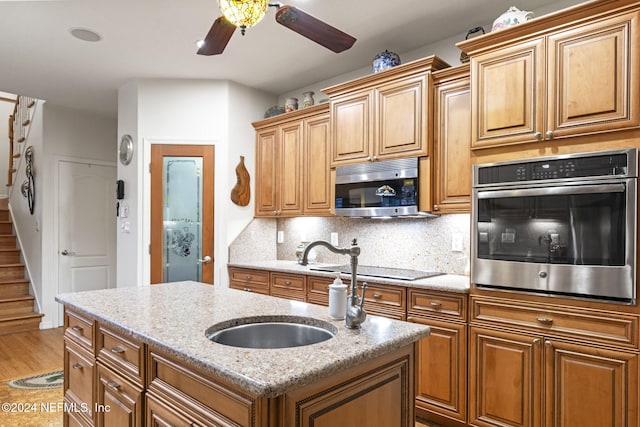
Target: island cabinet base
(377,393)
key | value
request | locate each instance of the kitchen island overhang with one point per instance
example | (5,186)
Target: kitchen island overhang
(171,320)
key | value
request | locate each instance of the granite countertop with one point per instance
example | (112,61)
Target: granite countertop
(173,317)
(446,282)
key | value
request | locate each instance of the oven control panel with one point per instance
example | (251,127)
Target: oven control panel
(569,167)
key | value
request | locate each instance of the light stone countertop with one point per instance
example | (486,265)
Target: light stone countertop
(173,317)
(447,282)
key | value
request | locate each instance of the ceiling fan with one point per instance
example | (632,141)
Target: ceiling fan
(247,13)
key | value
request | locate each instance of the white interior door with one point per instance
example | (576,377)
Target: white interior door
(86,226)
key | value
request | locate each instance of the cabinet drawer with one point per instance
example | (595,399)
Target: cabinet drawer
(385,296)
(318,289)
(117,400)
(125,355)
(219,403)
(570,322)
(287,282)
(250,287)
(79,328)
(79,368)
(243,275)
(440,304)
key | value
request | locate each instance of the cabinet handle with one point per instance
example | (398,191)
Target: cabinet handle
(247,289)
(77,366)
(549,134)
(248,277)
(287,282)
(435,304)
(538,136)
(436,207)
(545,320)
(375,158)
(369,158)
(377,296)
(536,341)
(117,350)
(114,385)
(548,343)
(77,328)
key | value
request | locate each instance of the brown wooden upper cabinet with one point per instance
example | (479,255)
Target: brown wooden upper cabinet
(385,115)
(293,177)
(452,141)
(568,74)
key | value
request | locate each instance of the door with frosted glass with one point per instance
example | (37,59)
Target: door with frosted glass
(182,186)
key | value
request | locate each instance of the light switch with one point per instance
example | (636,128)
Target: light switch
(457,242)
(280,236)
(334,239)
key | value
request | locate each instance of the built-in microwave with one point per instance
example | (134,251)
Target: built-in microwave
(378,189)
(563,225)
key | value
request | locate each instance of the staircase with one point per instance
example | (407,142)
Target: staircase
(16,304)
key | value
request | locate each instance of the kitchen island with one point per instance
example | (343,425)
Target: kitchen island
(148,358)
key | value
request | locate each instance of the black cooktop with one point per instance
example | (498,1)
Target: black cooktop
(384,272)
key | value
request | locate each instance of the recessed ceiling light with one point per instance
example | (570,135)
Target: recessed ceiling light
(85,34)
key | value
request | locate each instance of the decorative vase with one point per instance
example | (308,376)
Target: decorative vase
(291,105)
(307,101)
(513,16)
(385,60)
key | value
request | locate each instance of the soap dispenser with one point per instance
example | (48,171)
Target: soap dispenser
(337,299)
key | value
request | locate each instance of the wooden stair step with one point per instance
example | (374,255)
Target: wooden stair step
(20,323)
(7,241)
(12,306)
(13,288)
(4,215)
(10,256)
(10,272)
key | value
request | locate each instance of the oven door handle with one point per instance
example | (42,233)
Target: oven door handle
(552,191)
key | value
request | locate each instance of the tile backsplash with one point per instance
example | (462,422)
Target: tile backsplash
(422,244)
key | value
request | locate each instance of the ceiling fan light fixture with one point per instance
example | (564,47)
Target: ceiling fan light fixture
(243,13)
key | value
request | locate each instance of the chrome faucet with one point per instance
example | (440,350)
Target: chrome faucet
(355,315)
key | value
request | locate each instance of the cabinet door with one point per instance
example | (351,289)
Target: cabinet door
(119,403)
(505,375)
(351,128)
(267,171)
(79,368)
(590,77)
(318,188)
(588,386)
(161,415)
(507,92)
(441,380)
(290,169)
(402,119)
(452,180)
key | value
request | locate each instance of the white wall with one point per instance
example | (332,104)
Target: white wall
(445,49)
(185,112)
(55,133)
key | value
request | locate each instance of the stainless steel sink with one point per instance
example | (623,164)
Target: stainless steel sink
(272,333)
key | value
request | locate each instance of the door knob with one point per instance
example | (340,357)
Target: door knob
(67,253)
(205,260)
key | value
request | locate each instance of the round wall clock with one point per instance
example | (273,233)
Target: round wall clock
(126,149)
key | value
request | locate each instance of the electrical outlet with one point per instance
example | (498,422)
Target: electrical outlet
(334,239)
(280,236)
(457,242)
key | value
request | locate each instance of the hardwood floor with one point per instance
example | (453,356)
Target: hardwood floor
(32,352)
(23,354)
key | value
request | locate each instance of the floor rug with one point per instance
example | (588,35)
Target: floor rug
(38,382)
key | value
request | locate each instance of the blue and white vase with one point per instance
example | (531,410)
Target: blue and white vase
(385,60)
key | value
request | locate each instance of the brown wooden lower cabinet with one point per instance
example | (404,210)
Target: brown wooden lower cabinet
(520,379)
(119,402)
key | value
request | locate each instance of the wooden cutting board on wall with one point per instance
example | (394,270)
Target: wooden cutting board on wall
(241,192)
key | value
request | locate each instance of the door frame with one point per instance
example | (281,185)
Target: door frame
(144,201)
(157,200)
(50,263)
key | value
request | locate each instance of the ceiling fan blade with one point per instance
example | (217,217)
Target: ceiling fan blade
(217,37)
(314,29)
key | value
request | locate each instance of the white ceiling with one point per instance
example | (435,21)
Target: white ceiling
(156,39)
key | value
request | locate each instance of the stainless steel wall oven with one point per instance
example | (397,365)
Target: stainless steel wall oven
(563,225)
